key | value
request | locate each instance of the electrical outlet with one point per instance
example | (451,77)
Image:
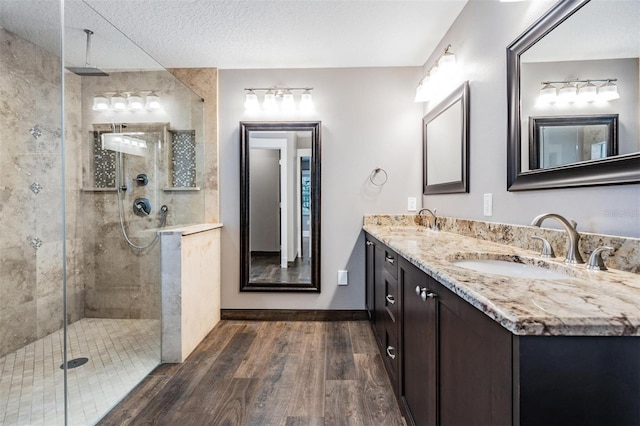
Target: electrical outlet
(343,277)
(488,205)
(412,203)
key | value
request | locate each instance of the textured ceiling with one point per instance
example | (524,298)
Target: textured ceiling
(240,33)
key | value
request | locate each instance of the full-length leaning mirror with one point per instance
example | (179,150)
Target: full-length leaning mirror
(576,64)
(280,206)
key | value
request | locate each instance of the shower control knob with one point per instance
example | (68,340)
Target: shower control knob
(142,179)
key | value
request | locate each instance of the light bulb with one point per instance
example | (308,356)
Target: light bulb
(548,93)
(100,103)
(288,103)
(608,91)
(306,101)
(587,92)
(269,103)
(568,92)
(152,103)
(251,101)
(134,102)
(118,103)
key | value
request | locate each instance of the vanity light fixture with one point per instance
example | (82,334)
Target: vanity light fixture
(126,101)
(579,90)
(278,98)
(440,73)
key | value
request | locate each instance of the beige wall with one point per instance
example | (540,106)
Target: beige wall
(369,120)
(479,38)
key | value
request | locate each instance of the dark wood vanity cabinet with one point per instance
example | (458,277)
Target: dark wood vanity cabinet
(450,364)
(382,291)
(456,362)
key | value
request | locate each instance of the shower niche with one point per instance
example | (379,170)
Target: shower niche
(169,156)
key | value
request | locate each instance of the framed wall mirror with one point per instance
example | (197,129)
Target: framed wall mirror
(445,135)
(562,66)
(561,140)
(280,206)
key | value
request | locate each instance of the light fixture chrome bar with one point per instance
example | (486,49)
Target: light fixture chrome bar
(278,88)
(603,80)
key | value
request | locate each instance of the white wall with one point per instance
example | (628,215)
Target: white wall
(369,120)
(264,203)
(479,38)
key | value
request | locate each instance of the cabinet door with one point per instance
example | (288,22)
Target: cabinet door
(370,278)
(474,362)
(418,348)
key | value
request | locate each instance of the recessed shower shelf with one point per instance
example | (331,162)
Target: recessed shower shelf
(98,189)
(181,188)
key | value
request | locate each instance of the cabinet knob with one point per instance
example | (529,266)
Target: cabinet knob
(417,290)
(391,260)
(369,243)
(391,352)
(426,294)
(390,299)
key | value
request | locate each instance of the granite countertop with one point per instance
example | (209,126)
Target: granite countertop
(587,303)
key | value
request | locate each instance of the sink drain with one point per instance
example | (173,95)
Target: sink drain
(76,362)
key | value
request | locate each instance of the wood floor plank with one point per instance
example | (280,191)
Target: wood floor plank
(380,406)
(261,351)
(274,391)
(305,421)
(343,404)
(362,338)
(234,404)
(124,413)
(307,399)
(340,365)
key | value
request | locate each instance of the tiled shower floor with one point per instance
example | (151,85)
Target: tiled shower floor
(121,353)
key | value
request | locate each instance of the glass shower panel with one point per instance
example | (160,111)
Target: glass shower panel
(31,215)
(134,165)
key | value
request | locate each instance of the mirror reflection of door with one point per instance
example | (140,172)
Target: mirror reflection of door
(279,207)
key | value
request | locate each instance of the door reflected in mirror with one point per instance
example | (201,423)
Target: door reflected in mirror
(280,190)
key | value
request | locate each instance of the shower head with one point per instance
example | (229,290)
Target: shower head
(88,70)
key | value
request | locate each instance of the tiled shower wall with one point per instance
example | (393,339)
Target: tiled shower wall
(31,198)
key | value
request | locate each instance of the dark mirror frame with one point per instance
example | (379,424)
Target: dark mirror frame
(622,169)
(537,123)
(459,94)
(280,126)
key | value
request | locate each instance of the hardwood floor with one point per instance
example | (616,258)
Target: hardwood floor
(269,373)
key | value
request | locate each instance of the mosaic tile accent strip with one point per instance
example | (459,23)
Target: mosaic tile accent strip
(183,158)
(35,187)
(36,243)
(121,353)
(35,132)
(104,164)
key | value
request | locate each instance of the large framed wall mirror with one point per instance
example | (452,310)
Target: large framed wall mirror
(445,147)
(573,78)
(280,206)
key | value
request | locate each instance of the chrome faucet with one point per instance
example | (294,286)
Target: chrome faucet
(432,223)
(573,254)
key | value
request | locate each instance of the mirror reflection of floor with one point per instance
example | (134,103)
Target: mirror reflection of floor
(266,269)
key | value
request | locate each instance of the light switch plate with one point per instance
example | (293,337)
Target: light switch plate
(412,203)
(343,277)
(488,205)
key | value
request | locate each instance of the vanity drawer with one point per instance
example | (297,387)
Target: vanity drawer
(391,356)
(391,262)
(390,297)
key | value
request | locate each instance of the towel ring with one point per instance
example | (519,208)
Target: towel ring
(375,172)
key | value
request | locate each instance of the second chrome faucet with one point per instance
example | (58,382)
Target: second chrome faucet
(573,254)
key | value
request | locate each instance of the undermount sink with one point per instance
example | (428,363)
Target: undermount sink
(510,268)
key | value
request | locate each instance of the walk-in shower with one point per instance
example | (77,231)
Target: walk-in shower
(79,261)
